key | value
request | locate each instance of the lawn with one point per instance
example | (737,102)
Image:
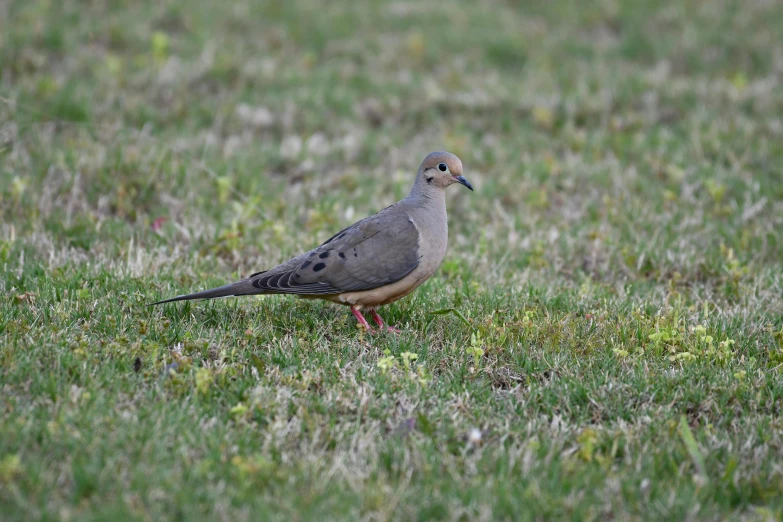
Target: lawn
(619,267)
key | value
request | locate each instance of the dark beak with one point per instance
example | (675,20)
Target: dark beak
(463,181)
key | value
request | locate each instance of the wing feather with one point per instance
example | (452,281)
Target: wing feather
(374,252)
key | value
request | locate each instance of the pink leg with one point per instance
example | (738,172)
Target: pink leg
(379,322)
(359,317)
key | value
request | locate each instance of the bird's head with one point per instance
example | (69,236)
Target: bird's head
(441,169)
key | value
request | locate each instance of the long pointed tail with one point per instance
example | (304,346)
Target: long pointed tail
(239,288)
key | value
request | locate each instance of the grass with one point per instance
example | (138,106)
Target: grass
(620,265)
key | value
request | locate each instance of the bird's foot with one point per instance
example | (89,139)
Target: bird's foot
(379,321)
(362,321)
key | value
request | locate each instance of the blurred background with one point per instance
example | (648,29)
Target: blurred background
(618,139)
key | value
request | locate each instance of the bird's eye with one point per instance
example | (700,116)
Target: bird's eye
(442,167)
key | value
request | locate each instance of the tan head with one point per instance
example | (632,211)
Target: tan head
(441,169)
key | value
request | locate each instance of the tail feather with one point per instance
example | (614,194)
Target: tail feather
(244,287)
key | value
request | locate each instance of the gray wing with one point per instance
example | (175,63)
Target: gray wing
(374,252)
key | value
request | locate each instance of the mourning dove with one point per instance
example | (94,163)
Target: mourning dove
(375,261)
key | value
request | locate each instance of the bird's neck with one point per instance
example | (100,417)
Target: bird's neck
(426,207)
(425,193)
(426,202)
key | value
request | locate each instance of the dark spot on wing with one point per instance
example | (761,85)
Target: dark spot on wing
(318,267)
(338,235)
(306,264)
(341,255)
(312,254)
(324,255)
(354,255)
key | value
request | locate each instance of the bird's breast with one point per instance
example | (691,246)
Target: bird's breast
(433,241)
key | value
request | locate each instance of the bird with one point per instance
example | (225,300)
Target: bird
(375,261)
